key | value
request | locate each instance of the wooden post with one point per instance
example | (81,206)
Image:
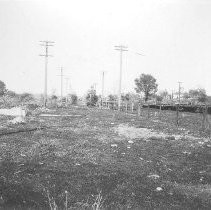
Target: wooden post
(148,111)
(66,200)
(139,109)
(100,104)
(132,107)
(209,123)
(204,118)
(177,114)
(160,112)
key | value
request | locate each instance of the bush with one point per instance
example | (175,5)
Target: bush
(91,98)
(74,99)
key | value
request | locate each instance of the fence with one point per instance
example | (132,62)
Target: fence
(160,111)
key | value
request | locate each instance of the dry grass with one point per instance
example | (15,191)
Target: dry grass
(106,160)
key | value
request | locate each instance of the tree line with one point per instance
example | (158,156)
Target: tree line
(147,87)
(10,98)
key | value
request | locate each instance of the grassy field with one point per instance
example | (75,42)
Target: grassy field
(102,159)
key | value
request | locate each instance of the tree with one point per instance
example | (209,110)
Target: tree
(74,99)
(159,98)
(26,97)
(186,95)
(125,97)
(199,94)
(53,100)
(54,97)
(130,97)
(11,93)
(146,83)
(112,97)
(2,88)
(91,98)
(164,94)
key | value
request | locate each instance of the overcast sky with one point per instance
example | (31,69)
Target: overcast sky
(175,36)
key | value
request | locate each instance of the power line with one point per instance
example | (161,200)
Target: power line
(46,44)
(137,53)
(120,48)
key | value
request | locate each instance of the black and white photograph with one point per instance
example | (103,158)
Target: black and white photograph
(105,104)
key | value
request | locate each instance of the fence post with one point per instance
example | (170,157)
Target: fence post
(208,122)
(101,104)
(160,108)
(204,118)
(177,114)
(148,111)
(139,109)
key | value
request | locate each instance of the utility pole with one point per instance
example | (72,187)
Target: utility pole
(61,75)
(120,48)
(172,94)
(67,81)
(103,79)
(172,97)
(46,44)
(179,91)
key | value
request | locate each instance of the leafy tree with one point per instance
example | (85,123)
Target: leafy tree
(54,97)
(74,99)
(164,94)
(130,97)
(91,98)
(112,97)
(134,97)
(186,95)
(2,88)
(126,97)
(26,97)
(11,93)
(193,93)
(158,98)
(199,94)
(146,83)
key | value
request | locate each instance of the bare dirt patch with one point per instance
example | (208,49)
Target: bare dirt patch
(146,133)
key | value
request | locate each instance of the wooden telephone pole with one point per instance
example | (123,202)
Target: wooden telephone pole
(46,44)
(120,48)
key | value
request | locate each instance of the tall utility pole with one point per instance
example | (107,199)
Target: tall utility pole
(179,91)
(61,75)
(67,81)
(120,48)
(46,44)
(103,78)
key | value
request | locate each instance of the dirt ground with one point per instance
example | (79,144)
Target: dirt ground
(82,158)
